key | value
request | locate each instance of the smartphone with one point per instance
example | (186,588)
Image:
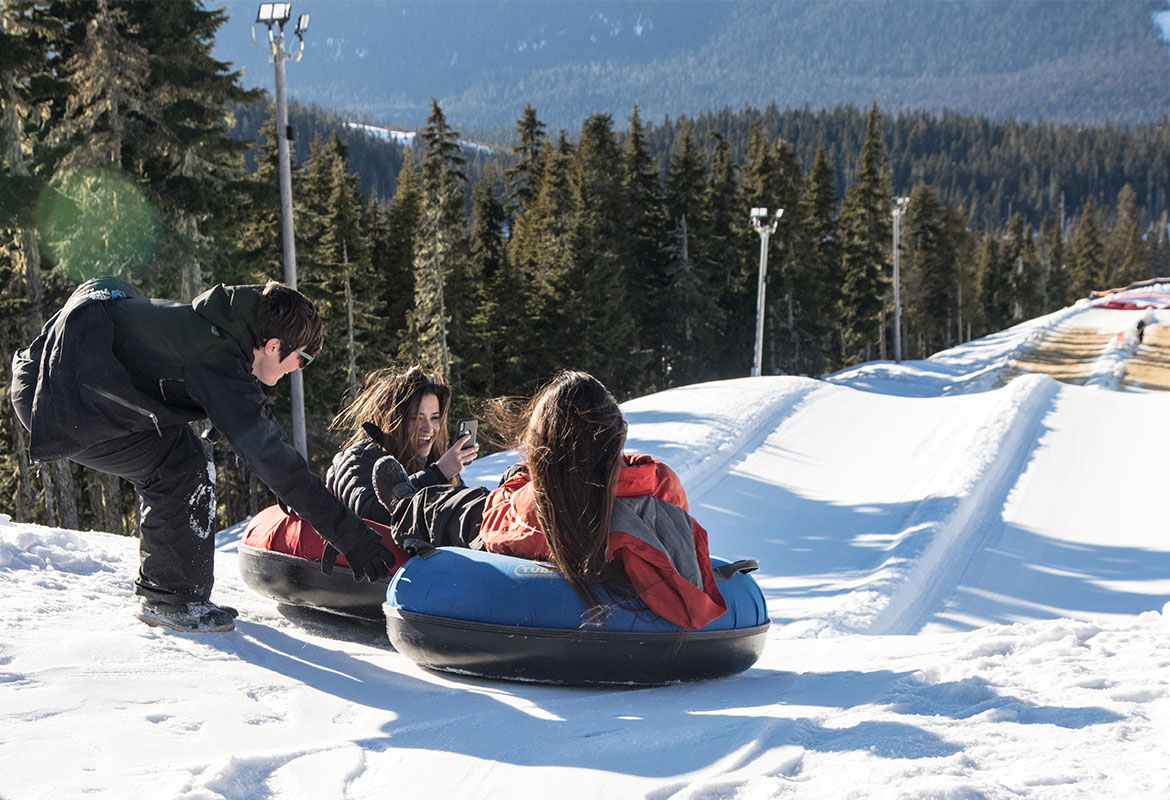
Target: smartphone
(467,425)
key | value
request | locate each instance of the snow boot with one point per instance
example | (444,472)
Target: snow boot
(187,617)
(391,483)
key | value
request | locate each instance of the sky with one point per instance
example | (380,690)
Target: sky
(967,572)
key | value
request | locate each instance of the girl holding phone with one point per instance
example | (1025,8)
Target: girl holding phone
(402,415)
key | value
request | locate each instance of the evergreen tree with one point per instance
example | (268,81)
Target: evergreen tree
(1127,256)
(1088,257)
(820,287)
(393,253)
(646,270)
(337,273)
(29,93)
(927,274)
(789,339)
(189,165)
(1057,284)
(440,245)
(1023,269)
(492,340)
(726,246)
(537,257)
(257,255)
(592,288)
(956,247)
(524,175)
(1160,247)
(692,288)
(865,230)
(994,288)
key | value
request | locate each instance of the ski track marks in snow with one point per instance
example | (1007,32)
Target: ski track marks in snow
(1012,434)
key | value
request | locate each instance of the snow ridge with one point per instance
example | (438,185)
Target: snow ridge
(1012,437)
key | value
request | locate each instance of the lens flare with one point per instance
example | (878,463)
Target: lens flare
(94,221)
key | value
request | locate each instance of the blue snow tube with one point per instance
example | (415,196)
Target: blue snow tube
(495,616)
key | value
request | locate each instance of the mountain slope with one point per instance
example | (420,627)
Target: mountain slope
(1077,61)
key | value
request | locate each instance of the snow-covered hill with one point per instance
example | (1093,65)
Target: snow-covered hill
(967,575)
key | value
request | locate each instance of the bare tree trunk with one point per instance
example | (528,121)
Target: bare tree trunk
(350,346)
(66,494)
(108,492)
(50,498)
(190,271)
(24,488)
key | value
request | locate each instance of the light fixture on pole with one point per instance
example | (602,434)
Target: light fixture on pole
(274,16)
(899,207)
(764,227)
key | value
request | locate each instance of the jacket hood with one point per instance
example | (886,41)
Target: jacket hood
(231,310)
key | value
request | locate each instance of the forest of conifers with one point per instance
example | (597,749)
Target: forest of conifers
(624,248)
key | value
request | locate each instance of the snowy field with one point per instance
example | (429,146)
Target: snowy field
(968,584)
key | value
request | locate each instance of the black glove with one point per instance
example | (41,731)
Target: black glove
(370,559)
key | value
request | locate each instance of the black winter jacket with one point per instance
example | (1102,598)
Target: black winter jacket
(351,478)
(112,362)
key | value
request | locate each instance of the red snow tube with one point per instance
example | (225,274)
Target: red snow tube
(280,557)
(1133,302)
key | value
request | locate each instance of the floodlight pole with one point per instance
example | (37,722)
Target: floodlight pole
(288,240)
(760,224)
(899,206)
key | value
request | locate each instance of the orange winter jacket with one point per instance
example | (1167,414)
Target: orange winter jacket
(662,549)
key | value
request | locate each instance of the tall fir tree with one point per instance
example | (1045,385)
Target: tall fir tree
(1088,256)
(995,295)
(190,166)
(393,253)
(646,270)
(592,288)
(820,285)
(1057,277)
(537,256)
(491,339)
(1126,255)
(257,255)
(693,286)
(440,245)
(726,247)
(789,341)
(29,91)
(523,177)
(865,227)
(1159,243)
(927,277)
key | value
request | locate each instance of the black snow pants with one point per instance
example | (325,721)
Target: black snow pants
(175,480)
(445,516)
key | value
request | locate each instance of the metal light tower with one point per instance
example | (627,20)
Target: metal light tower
(764,227)
(275,15)
(899,207)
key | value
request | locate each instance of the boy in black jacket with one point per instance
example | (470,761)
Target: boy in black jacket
(111,383)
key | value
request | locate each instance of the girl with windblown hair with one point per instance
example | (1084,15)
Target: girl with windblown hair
(403,415)
(617,526)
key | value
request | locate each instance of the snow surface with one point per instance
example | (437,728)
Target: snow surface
(968,587)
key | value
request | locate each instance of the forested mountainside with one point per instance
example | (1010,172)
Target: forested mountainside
(1072,61)
(988,169)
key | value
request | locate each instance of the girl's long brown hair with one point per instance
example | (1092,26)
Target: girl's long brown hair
(572,433)
(389,400)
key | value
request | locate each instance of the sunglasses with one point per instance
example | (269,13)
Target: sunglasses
(306,359)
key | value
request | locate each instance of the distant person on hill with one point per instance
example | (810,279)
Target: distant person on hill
(112,382)
(402,414)
(609,522)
